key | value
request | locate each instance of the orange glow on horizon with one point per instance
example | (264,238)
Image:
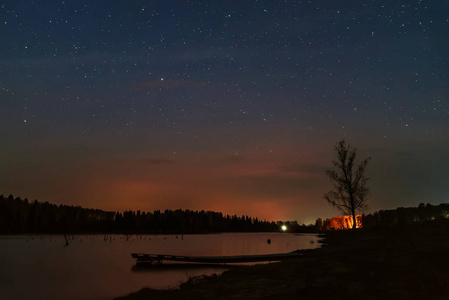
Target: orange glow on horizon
(267,184)
(263,210)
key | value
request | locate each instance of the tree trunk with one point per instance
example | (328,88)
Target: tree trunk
(354,224)
(354,221)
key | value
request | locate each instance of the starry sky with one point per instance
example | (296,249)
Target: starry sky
(232,106)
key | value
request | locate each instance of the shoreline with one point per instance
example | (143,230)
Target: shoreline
(397,263)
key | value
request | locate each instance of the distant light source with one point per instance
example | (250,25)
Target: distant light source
(284,228)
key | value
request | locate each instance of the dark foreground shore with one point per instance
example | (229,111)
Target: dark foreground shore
(399,263)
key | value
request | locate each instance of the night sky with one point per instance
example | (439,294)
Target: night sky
(232,106)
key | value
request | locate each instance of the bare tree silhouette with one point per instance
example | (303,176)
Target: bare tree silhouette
(350,190)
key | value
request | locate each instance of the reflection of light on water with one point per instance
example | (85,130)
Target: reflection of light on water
(100,266)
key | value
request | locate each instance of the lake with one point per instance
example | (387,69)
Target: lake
(101,267)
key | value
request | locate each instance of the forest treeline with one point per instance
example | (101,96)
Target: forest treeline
(403,216)
(22,216)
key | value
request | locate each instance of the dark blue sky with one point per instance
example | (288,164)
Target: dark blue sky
(226,105)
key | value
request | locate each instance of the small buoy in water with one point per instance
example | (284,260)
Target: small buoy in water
(269,241)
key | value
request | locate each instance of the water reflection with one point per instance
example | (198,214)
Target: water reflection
(152,267)
(101,267)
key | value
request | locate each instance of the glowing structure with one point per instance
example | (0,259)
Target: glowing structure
(341,223)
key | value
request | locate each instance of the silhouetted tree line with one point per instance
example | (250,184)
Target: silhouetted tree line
(403,216)
(21,216)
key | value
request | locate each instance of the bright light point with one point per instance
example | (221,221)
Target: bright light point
(284,228)
(162,79)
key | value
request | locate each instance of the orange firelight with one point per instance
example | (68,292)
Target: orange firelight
(343,222)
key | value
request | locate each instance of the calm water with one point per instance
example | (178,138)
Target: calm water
(95,267)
